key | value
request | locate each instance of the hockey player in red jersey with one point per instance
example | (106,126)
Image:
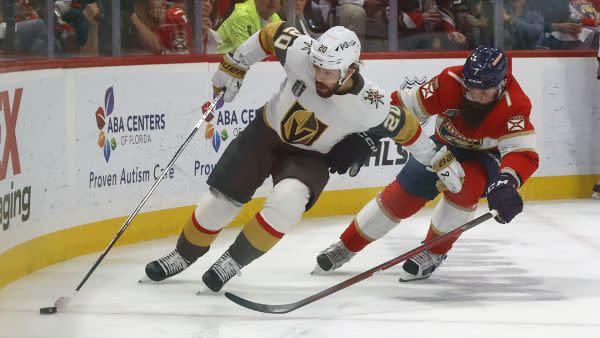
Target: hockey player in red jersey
(483,119)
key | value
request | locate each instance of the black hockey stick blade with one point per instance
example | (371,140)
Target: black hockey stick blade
(266,308)
(285,308)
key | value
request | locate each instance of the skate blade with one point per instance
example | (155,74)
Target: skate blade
(318,271)
(145,280)
(204,290)
(411,278)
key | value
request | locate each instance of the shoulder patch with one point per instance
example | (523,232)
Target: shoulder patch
(373,96)
(516,123)
(429,88)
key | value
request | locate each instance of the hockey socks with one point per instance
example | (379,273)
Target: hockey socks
(195,240)
(256,238)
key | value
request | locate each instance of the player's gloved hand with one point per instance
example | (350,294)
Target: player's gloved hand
(449,171)
(353,151)
(229,77)
(503,197)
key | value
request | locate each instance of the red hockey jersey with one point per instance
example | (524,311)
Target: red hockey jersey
(506,128)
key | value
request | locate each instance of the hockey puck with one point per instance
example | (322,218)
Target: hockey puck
(48,310)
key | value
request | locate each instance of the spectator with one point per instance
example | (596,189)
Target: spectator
(362,17)
(83,16)
(209,36)
(30,34)
(300,21)
(433,25)
(561,31)
(598,58)
(161,29)
(246,19)
(523,28)
(583,11)
(471,22)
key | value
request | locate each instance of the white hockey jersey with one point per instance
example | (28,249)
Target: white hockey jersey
(304,119)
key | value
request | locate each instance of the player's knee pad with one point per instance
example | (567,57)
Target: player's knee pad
(285,205)
(373,221)
(448,216)
(215,210)
(398,203)
(472,188)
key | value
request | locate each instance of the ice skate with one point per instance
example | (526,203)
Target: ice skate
(166,267)
(420,266)
(221,272)
(332,258)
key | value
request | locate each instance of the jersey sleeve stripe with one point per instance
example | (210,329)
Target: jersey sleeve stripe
(267,35)
(410,129)
(455,77)
(517,144)
(517,134)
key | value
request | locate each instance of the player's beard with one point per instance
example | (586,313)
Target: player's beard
(474,112)
(324,91)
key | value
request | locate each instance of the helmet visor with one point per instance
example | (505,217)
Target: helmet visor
(482,95)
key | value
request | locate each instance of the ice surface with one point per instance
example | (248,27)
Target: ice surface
(536,277)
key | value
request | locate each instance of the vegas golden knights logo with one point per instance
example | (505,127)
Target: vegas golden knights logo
(301,126)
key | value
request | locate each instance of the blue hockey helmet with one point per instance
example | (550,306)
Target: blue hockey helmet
(485,68)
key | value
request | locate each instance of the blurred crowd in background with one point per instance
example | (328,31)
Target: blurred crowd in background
(87,27)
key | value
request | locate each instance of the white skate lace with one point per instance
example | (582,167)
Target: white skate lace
(225,267)
(338,254)
(424,259)
(173,263)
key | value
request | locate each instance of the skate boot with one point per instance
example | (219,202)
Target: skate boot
(166,267)
(596,191)
(420,266)
(333,257)
(221,272)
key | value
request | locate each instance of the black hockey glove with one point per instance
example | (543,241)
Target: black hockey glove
(503,197)
(355,148)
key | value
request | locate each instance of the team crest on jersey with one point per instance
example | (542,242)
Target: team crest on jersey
(516,123)
(301,126)
(298,87)
(373,97)
(449,133)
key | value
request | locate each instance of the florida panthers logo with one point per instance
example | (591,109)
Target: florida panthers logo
(448,132)
(301,126)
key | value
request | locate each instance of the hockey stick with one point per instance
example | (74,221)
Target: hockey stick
(63,301)
(285,308)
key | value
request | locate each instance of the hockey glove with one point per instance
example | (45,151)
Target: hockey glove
(229,77)
(353,151)
(449,171)
(503,197)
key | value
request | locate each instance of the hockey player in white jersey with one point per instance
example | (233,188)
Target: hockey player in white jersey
(325,118)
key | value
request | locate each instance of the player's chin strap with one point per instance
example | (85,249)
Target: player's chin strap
(343,80)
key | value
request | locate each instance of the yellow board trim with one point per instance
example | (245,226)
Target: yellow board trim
(59,246)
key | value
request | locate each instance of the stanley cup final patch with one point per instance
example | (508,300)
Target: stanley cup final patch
(516,123)
(298,87)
